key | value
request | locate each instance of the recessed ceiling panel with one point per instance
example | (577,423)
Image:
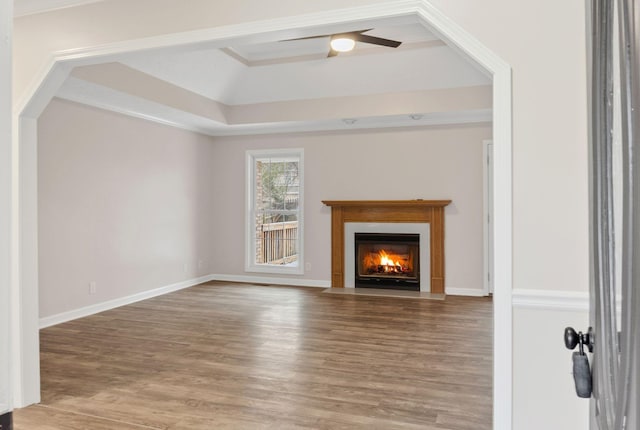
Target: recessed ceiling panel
(246,74)
(407,34)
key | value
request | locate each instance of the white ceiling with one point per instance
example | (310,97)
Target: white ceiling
(294,70)
(248,73)
(407,33)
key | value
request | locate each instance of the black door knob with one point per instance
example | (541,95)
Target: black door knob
(571,338)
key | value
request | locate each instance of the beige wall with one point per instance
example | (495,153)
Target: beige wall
(549,98)
(545,44)
(386,164)
(544,391)
(125,203)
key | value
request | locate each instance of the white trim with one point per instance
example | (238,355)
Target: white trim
(6,172)
(294,282)
(116,303)
(470,292)
(31,7)
(487,215)
(551,300)
(76,98)
(503,249)
(36,96)
(196,124)
(526,299)
(457,37)
(250,219)
(25,342)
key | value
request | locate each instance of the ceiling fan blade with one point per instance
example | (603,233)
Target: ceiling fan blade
(355,35)
(308,37)
(347,34)
(376,40)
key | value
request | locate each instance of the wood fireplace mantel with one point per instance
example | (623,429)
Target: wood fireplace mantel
(392,211)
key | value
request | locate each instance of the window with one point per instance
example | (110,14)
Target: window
(274,211)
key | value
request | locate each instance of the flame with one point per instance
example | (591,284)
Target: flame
(382,261)
(386,260)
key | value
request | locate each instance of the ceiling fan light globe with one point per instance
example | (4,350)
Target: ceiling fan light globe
(342,44)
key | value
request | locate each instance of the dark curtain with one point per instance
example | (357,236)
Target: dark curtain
(614,70)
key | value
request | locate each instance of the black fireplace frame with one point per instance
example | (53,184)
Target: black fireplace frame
(385,282)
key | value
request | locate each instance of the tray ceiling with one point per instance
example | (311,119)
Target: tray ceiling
(369,87)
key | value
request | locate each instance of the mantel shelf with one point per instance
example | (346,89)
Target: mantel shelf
(386,203)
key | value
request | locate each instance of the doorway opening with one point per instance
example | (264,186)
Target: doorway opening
(25,321)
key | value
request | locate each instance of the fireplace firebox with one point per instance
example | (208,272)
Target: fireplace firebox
(387,260)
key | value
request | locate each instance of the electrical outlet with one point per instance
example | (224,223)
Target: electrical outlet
(200,264)
(93,287)
(307,267)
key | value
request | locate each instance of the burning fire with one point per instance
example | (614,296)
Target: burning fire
(385,262)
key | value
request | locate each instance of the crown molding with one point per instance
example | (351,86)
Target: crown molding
(32,7)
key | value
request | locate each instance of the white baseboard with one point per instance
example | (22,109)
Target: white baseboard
(472,292)
(273,281)
(111,304)
(537,299)
(551,300)
(530,299)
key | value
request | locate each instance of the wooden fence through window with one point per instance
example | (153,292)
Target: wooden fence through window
(278,242)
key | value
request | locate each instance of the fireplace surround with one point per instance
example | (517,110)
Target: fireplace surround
(419,211)
(422,230)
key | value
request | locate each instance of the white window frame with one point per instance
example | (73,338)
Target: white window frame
(250,265)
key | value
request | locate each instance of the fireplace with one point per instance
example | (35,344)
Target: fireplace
(394,238)
(387,260)
(425,217)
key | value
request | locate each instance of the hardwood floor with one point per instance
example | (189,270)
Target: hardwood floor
(238,356)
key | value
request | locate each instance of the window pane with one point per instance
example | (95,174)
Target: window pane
(276,209)
(277,184)
(276,243)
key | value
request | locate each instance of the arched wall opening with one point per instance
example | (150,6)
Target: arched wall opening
(24,287)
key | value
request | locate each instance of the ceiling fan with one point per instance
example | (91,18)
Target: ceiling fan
(343,42)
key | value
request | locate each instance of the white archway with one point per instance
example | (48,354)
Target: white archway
(6,10)
(24,286)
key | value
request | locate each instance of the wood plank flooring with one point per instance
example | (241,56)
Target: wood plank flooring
(239,356)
